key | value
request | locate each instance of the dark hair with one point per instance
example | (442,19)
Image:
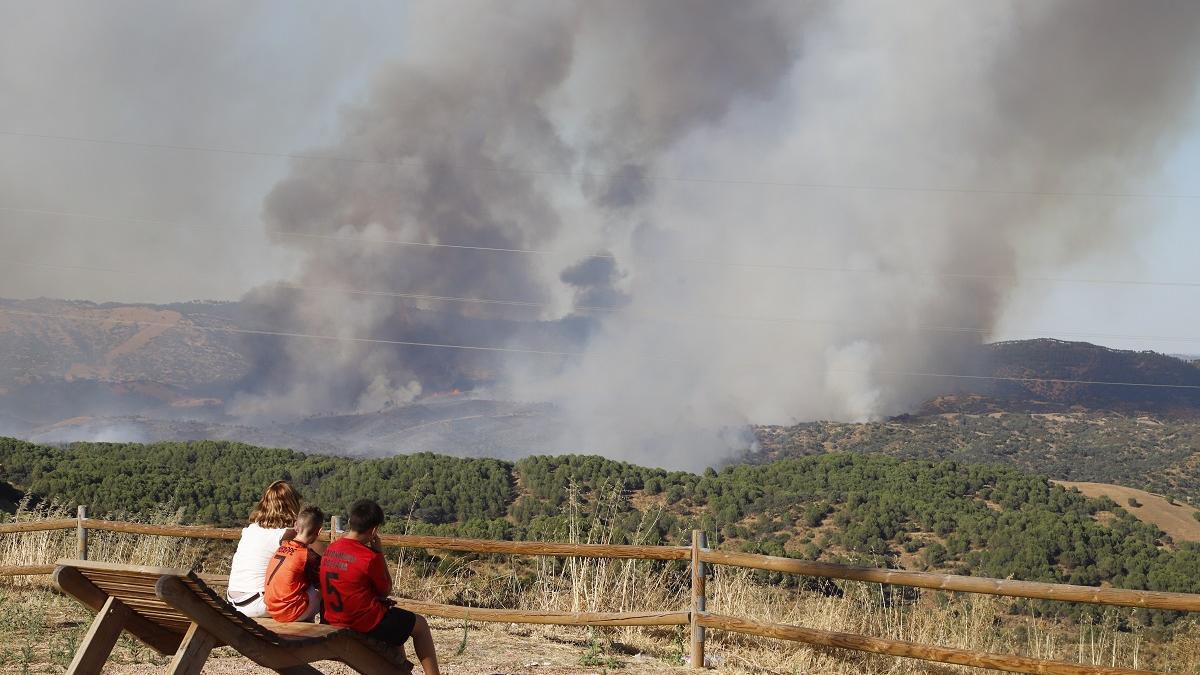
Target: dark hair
(310,518)
(365,515)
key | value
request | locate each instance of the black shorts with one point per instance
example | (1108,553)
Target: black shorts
(395,627)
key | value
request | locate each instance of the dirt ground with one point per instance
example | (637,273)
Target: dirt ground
(493,651)
(1174,519)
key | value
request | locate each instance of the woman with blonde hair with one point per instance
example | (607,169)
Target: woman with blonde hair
(269,521)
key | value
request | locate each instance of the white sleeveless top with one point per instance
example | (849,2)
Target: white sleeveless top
(248,573)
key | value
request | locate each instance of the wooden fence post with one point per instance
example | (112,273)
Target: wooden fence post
(81,550)
(698,542)
(335,526)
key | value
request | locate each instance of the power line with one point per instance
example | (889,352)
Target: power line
(854,187)
(288,334)
(647,315)
(657,315)
(605,256)
(54,266)
(1044,380)
(718,316)
(342,338)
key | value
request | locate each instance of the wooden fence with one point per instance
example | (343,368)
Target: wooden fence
(697,618)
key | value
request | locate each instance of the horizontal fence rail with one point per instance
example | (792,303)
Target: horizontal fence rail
(552,618)
(1184,602)
(25,570)
(697,555)
(540,548)
(616,551)
(39,525)
(912,650)
(185,531)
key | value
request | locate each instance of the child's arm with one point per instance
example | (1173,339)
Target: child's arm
(381,577)
(312,569)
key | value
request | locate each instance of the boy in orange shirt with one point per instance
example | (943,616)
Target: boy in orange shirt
(293,591)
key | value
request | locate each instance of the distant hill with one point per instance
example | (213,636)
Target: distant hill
(97,378)
(98,364)
(173,351)
(1160,455)
(68,368)
(177,360)
(451,425)
(1142,437)
(1015,364)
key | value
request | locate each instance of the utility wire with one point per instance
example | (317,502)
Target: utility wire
(1045,380)
(54,266)
(856,187)
(341,338)
(644,315)
(648,315)
(605,256)
(677,316)
(288,334)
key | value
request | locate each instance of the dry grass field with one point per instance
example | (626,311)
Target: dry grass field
(1175,519)
(40,629)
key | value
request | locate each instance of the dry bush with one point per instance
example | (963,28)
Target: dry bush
(36,548)
(967,621)
(44,548)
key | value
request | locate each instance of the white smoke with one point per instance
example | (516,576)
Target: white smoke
(920,148)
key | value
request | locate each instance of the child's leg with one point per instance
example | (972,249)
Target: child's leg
(394,630)
(314,604)
(422,639)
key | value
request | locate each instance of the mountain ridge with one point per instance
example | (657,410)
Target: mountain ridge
(101,378)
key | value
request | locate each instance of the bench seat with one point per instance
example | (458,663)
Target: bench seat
(179,613)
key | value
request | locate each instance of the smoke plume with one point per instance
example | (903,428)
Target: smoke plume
(743,212)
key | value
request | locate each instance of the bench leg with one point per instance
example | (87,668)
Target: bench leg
(100,639)
(193,652)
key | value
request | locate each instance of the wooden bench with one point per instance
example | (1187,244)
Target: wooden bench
(177,612)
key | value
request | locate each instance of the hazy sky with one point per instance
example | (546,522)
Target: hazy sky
(1169,251)
(271,77)
(265,76)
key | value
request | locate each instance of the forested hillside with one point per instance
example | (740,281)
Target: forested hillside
(1058,371)
(1155,454)
(970,519)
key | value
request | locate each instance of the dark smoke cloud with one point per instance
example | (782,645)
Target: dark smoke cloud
(477,98)
(594,103)
(595,280)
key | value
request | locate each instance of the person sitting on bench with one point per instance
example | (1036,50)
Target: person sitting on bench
(275,513)
(293,591)
(355,584)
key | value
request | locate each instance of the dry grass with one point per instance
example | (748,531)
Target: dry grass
(39,629)
(1176,519)
(966,621)
(43,548)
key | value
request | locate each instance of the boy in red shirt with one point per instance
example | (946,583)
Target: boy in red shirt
(355,584)
(292,591)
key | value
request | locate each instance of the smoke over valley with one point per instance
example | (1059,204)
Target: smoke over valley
(669,220)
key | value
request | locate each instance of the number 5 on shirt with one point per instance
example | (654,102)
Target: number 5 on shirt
(336,603)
